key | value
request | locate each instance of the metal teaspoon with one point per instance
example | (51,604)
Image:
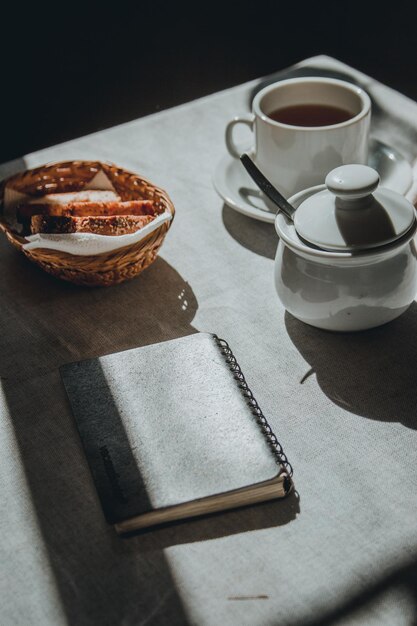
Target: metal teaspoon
(269,190)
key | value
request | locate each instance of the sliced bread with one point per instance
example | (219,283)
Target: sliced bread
(100,225)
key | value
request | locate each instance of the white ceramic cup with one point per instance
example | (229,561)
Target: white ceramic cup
(297,157)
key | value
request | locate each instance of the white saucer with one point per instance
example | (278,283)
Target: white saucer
(239,191)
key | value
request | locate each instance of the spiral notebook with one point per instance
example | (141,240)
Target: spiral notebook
(172,431)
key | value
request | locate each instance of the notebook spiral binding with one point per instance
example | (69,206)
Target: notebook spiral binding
(273,442)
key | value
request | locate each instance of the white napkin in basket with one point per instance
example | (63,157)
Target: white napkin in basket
(85,244)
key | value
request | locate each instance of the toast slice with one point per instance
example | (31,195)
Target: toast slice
(42,204)
(86,209)
(85,195)
(112,225)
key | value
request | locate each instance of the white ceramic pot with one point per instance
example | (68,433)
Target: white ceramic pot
(343,291)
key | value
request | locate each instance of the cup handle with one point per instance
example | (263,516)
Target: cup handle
(230,144)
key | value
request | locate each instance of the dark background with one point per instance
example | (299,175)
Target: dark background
(69,70)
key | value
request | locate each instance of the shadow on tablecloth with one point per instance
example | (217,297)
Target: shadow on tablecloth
(101,578)
(256,236)
(371,373)
(400,586)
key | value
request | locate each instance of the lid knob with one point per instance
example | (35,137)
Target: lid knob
(348,217)
(351,182)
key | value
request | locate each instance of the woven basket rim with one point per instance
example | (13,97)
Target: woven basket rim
(19,240)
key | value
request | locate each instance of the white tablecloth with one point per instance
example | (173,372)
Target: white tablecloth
(343,406)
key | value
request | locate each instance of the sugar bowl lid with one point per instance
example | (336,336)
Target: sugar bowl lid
(352,214)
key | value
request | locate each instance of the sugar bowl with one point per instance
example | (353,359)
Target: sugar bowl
(348,261)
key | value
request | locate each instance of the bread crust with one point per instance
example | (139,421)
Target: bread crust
(85,209)
(113,225)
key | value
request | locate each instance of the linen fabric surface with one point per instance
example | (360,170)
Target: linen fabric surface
(343,547)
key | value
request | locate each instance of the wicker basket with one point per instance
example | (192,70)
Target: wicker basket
(100,269)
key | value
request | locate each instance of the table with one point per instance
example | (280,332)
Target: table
(343,547)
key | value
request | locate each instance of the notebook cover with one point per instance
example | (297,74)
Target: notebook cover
(165,424)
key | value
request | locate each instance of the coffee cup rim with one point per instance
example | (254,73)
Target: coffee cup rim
(365,99)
